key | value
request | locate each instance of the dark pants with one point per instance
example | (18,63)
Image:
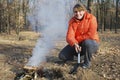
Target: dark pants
(89,47)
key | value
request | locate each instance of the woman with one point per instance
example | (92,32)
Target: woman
(81,36)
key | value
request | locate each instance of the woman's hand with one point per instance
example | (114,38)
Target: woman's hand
(77,48)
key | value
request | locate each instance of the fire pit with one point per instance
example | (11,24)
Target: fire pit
(30,73)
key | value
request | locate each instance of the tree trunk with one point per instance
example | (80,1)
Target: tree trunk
(89,5)
(0,23)
(18,25)
(116,22)
(102,15)
(97,14)
(111,21)
(8,17)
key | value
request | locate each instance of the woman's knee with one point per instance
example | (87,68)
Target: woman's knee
(88,43)
(62,56)
(91,45)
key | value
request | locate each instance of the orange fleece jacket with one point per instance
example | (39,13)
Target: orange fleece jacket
(80,30)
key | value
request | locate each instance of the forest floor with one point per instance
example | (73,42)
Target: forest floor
(15,52)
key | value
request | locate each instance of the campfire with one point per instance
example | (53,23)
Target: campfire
(31,73)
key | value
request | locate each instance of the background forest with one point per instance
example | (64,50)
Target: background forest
(13,14)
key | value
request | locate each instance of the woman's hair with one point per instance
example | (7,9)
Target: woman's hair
(79,7)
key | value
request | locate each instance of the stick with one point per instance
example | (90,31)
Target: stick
(74,69)
(78,57)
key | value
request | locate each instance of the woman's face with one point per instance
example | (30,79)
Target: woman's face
(79,14)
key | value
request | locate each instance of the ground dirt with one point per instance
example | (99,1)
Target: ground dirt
(16,50)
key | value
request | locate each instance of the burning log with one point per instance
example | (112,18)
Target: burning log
(31,68)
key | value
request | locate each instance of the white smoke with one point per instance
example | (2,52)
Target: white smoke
(51,17)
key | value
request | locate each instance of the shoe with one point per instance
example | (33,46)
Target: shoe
(84,66)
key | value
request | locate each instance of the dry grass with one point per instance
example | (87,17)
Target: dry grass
(15,52)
